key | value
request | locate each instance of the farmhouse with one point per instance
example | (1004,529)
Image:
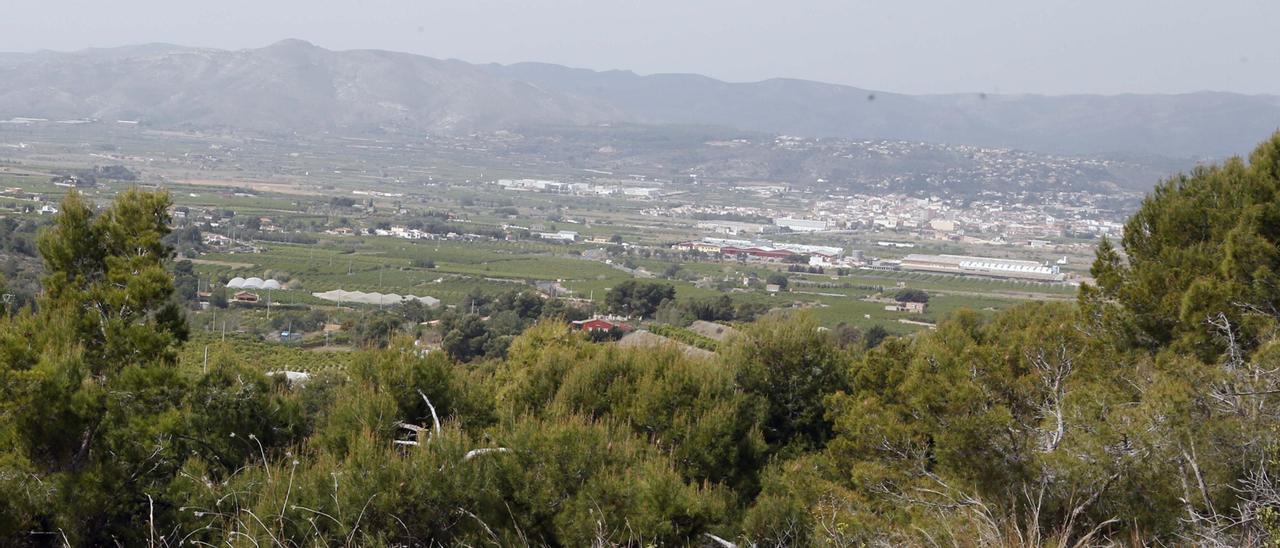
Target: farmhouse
(910,308)
(705,247)
(600,324)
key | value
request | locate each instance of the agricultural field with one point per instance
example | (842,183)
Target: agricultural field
(304,188)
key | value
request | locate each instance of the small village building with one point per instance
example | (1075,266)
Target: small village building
(910,308)
(600,324)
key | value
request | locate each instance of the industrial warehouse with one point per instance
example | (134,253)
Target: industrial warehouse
(982,266)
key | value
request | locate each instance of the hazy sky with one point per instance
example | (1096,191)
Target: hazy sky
(914,46)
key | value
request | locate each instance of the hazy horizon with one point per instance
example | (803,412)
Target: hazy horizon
(1059,47)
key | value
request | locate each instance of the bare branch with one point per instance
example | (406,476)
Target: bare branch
(483,451)
(722,542)
(435,419)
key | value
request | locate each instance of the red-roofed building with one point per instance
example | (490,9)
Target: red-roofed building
(600,324)
(755,253)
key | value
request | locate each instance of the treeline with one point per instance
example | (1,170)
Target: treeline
(711,309)
(90,176)
(482,328)
(1146,413)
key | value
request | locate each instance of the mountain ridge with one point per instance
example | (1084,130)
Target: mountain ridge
(293,85)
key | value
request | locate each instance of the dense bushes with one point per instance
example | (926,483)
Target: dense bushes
(1115,420)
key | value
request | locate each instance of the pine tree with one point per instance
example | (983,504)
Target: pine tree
(90,378)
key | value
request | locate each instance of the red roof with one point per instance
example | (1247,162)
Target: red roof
(755,251)
(598,324)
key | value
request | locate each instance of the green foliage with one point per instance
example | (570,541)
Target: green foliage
(1202,260)
(468,337)
(374,330)
(218,297)
(711,428)
(266,356)
(637,298)
(909,295)
(187,241)
(1148,412)
(18,237)
(233,408)
(91,393)
(684,336)
(874,336)
(565,482)
(185,282)
(779,279)
(720,308)
(793,365)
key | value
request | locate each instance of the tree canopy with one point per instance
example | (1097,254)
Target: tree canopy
(909,295)
(638,298)
(1198,260)
(1146,412)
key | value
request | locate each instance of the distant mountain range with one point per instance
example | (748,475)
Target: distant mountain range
(293,86)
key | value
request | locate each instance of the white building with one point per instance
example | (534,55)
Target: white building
(644,192)
(982,266)
(561,236)
(943,225)
(823,250)
(801,225)
(732,228)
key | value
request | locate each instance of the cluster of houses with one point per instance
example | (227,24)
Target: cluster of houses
(956,219)
(406,233)
(230,245)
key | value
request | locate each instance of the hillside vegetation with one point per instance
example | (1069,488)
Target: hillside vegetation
(1147,412)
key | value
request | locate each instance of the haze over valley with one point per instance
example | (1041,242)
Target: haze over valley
(293,86)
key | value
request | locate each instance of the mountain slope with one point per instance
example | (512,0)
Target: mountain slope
(289,86)
(1188,125)
(294,86)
